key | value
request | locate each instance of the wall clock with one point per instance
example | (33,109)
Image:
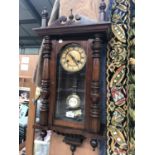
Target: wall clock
(71,79)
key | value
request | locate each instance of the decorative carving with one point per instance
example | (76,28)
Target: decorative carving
(60,21)
(45,82)
(71,20)
(95,96)
(77,17)
(93,143)
(73,141)
(71,17)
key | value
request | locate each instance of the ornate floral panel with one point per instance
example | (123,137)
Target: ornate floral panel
(120,80)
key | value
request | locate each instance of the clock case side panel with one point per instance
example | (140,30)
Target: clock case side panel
(53,122)
(52,84)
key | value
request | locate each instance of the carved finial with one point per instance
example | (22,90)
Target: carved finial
(44,17)
(102,5)
(77,17)
(71,17)
(72,148)
(93,143)
(63,19)
(102,13)
(44,13)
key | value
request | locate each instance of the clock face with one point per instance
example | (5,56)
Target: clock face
(73,101)
(73,58)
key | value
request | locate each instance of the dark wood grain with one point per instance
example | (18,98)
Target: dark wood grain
(45,82)
(74,30)
(64,123)
(95,93)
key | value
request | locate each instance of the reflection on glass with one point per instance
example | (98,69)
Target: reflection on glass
(70,94)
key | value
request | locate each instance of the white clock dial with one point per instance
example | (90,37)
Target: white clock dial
(73,101)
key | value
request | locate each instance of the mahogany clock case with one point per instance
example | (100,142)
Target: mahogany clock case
(92,38)
(67,126)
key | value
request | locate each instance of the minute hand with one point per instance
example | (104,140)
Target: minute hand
(73,58)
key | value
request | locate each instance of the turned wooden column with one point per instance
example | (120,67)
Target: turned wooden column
(95,108)
(45,82)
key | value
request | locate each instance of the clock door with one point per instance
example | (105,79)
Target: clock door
(71,76)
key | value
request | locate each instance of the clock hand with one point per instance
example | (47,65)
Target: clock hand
(73,58)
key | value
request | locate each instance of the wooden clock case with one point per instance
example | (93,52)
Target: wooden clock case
(91,37)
